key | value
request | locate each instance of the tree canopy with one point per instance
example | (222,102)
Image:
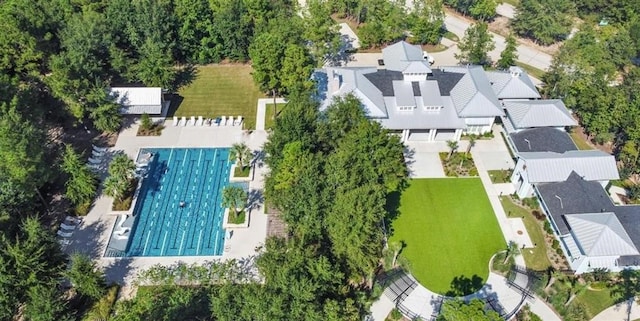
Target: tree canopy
(476,45)
(544,21)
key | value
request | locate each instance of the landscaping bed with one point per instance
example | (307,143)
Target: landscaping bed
(499,176)
(242,171)
(458,164)
(238,219)
(124,204)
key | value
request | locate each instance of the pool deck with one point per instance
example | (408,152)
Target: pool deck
(93,233)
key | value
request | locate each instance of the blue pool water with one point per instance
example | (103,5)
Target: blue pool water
(195,176)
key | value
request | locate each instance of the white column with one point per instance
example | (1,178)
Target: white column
(458,134)
(432,134)
(405,135)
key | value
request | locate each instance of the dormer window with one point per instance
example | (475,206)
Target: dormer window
(406,108)
(432,109)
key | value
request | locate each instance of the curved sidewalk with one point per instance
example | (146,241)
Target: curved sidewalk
(620,312)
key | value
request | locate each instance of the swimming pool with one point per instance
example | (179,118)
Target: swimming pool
(179,211)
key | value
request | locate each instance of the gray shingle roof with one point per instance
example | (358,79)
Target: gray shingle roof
(472,96)
(629,216)
(399,55)
(544,139)
(539,113)
(601,234)
(573,196)
(447,80)
(593,165)
(512,84)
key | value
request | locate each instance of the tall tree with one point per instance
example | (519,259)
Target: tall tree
(426,21)
(475,45)
(120,175)
(545,21)
(86,277)
(509,55)
(235,199)
(321,31)
(81,184)
(483,9)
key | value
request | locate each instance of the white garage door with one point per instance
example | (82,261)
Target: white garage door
(445,134)
(416,135)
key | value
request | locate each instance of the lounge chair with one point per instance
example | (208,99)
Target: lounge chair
(183,121)
(99,149)
(95,161)
(64,234)
(217,121)
(175,121)
(73,220)
(223,121)
(96,153)
(232,121)
(239,121)
(200,121)
(67,227)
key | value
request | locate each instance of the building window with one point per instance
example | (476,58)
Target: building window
(405,108)
(432,109)
(474,129)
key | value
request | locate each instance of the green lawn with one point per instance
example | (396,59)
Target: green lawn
(450,233)
(220,90)
(579,141)
(531,70)
(499,176)
(269,117)
(535,258)
(595,301)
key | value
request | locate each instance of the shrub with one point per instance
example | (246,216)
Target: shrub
(83,209)
(145,122)
(473,172)
(547,227)
(101,310)
(122,205)
(555,244)
(559,251)
(395,315)
(530,202)
(538,215)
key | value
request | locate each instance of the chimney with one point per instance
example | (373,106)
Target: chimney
(515,71)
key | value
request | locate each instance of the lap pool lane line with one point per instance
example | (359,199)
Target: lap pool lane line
(166,207)
(212,230)
(208,220)
(191,246)
(174,204)
(176,220)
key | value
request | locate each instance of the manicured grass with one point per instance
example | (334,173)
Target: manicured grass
(220,90)
(242,172)
(269,117)
(451,36)
(239,219)
(531,70)
(535,258)
(579,141)
(449,230)
(499,176)
(595,301)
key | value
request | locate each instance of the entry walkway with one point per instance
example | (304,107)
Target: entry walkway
(262,110)
(628,310)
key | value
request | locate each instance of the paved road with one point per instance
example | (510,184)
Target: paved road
(506,10)
(527,55)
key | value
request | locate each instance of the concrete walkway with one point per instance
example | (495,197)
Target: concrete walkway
(262,110)
(620,312)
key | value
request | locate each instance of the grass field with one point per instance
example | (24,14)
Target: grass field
(535,258)
(579,141)
(220,90)
(450,233)
(269,117)
(595,301)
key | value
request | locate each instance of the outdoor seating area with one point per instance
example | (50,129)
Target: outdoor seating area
(97,161)
(66,230)
(207,122)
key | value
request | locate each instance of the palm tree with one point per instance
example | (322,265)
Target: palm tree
(453,146)
(122,166)
(512,251)
(241,153)
(234,198)
(472,142)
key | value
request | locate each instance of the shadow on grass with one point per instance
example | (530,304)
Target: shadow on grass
(462,285)
(176,101)
(392,206)
(185,76)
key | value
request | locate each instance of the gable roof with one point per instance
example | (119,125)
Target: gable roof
(572,196)
(592,165)
(512,84)
(472,96)
(353,80)
(539,113)
(601,234)
(138,100)
(543,139)
(400,55)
